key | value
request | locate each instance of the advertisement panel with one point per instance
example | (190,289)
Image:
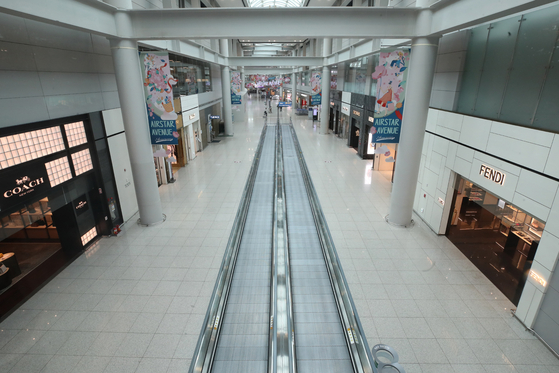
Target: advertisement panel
(158,91)
(316,88)
(391,76)
(236,86)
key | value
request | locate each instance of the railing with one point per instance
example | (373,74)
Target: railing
(209,335)
(360,354)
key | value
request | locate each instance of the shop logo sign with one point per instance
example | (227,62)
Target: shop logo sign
(81,204)
(491,174)
(24,186)
(355,112)
(192,116)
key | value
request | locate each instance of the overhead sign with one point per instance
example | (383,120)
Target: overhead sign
(21,185)
(489,173)
(391,76)
(158,91)
(284,104)
(214,116)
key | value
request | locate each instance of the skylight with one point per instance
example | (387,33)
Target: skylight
(275,3)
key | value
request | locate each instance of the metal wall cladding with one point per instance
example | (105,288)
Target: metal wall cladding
(369,103)
(358,100)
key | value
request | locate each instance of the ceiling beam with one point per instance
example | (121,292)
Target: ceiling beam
(296,23)
(276,61)
(254,71)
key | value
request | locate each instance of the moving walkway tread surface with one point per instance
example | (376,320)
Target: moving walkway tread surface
(245,334)
(243,341)
(319,336)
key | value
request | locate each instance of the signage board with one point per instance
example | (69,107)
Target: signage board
(284,104)
(391,76)
(345,109)
(214,116)
(158,91)
(81,205)
(492,174)
(21,185)
(357,113)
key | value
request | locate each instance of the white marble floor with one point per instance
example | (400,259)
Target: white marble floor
(135,303)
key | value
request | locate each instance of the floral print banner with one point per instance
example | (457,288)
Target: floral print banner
(158,91)
(236,86)
(391,76)
(316,88)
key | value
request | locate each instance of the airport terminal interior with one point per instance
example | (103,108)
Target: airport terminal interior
(283,224)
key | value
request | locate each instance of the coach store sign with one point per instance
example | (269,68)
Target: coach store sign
(21,185)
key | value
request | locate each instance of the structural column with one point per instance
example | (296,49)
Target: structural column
(325,109)
(294,94)
(420,81)
(134,115)
(226,88)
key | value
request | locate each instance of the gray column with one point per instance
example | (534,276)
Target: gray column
(325,109)
(293,93)
(133,106)
(226,88)
(420,81)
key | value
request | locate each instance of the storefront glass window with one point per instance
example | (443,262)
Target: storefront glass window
(500,239)
(356,76)
(193,76)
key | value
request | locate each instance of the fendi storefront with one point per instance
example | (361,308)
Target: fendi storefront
(55,200)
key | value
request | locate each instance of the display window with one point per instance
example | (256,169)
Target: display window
(497,237)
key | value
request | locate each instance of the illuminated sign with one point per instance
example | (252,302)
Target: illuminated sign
(345,110)
(355,112)
(489,173)
(539,279)
(24,185)
(214,116)
(191,116)
(371,119)
(332,103)
(441,201)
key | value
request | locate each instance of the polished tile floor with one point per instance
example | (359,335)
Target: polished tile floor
(136,303)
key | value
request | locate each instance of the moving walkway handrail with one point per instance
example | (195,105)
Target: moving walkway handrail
(209,335)
(362,359)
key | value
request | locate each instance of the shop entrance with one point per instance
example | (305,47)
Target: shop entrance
(354,135)
(497,237)
(331,120)
(336,122)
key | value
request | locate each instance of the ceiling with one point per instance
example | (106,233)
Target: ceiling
(274,3)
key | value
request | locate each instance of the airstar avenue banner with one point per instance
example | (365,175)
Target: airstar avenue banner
(316,88)
(158,90)
(236,86)
(391,75)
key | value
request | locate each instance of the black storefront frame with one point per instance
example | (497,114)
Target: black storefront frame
(86,188)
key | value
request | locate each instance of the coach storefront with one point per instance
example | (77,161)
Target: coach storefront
(58,195)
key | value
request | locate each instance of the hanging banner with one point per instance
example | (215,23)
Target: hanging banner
(391,76)
(316,88)
(236,86)
(158,91)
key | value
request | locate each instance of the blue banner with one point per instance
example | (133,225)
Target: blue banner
(214,116)
(387,130)
(316,99)
(158,91)
(284,104)
(235,99)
